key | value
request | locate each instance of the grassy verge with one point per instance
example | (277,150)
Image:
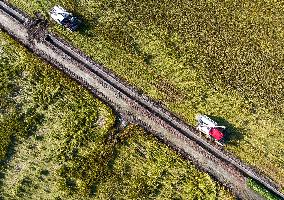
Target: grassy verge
(219,58)
(261,190)
(55,143)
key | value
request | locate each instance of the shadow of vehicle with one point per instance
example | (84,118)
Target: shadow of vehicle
(232,135)
(86,26)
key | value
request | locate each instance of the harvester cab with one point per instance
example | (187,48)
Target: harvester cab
(61,16)
(210,128)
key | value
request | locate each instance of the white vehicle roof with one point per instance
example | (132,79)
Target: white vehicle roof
(206,120)
(58,13)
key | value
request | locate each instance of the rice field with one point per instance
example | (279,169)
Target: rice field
(220,58)
(55,143)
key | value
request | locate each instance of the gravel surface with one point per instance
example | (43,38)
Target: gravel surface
(136,108)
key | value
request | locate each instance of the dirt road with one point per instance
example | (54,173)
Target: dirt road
(135,108)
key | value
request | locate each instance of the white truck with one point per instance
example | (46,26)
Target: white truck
(61,16)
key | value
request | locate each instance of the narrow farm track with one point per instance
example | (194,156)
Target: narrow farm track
(133,106)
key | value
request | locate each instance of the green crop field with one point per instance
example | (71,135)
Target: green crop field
(220,58)
(59,142)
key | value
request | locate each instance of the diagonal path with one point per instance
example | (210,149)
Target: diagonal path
(136,108)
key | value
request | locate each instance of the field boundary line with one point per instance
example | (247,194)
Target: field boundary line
(141,103)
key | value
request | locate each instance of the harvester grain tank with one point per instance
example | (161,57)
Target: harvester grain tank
(66,19)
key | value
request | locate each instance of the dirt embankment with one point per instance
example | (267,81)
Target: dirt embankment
(136,108)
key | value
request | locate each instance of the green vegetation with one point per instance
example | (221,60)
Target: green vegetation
(60,143)
(152,171)
(261,190)
(221,58)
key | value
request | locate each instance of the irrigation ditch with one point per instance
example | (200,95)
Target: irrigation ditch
(132,106)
